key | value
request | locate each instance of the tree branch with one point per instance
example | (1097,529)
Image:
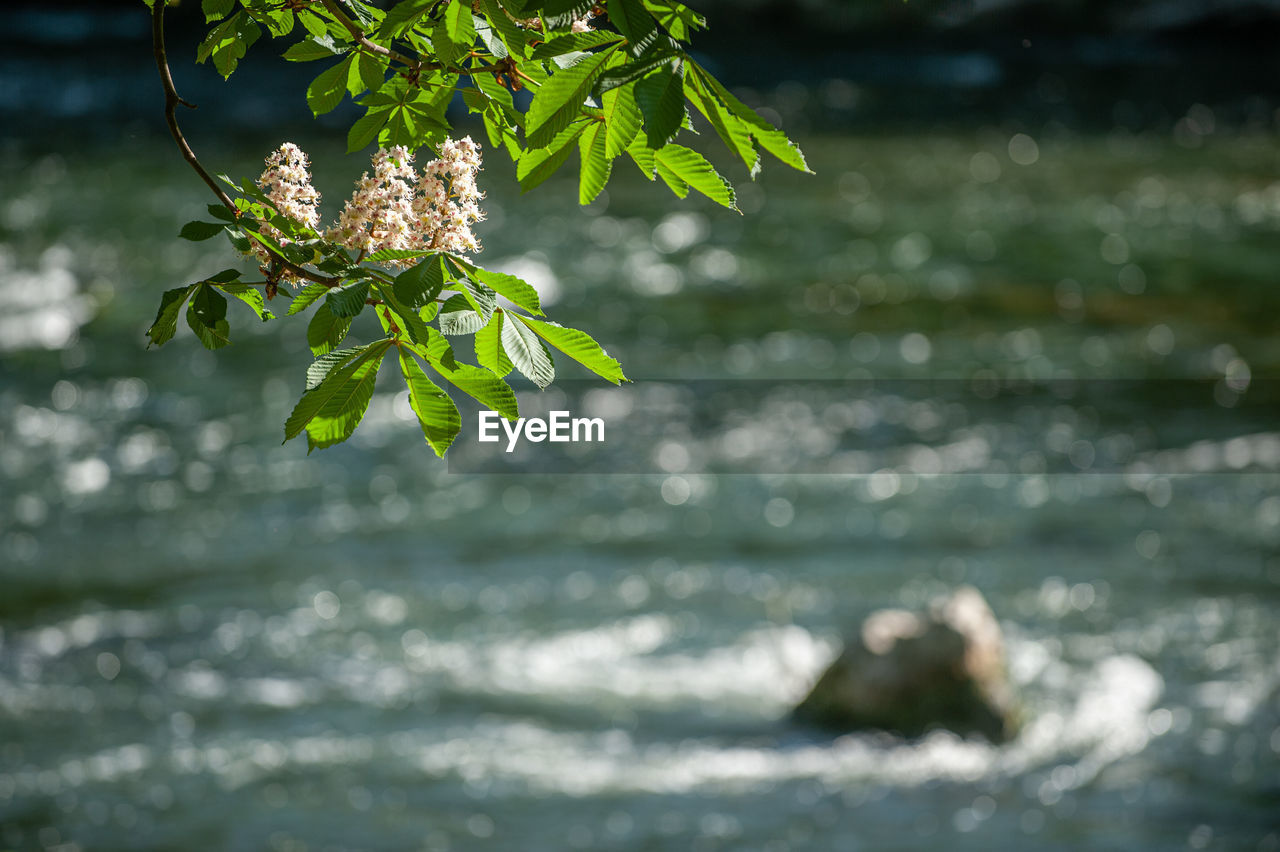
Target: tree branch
(171,101)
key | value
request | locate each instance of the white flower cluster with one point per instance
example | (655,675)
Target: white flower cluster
(394,209)
(398,209)
(287,183)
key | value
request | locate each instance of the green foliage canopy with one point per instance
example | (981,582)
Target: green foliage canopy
(609,79)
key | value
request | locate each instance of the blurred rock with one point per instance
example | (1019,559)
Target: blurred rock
(909,673)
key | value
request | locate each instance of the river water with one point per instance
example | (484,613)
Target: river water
(208,640)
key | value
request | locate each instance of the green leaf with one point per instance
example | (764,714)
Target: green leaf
(349,300)
(643,155)
(661,100)
(573,43)
(643,66)
(560,99)
(529,8)
(333,387)
(279,22)
(458,317)
(460,25)
(365,73)
(226,276)
(671,179)
(422,283)
(386,255)
(527,353)
(489,351)
(476,382)
(366,14)
(481,298)
(596,166)
(227,55)
(220,211)
(325,331)
(770,138)
(196,231)
(549,7)
(676,18)
(366,129)
(331,412)
(517,290)
(475,100)
(654,44)
(334,264)
(402,17)
(536,165)
(326,90)
(495,91)
(568,60)
(410,320)
(317,26)
(631,19)
(429,108)
(311,49)
(383,97)
(491,40)
(437,415)
(732,130)
(166,321)
(501,134)
(559,14)
(514,37)
(216,10)
(305,297)
(220,37)
(579,346)
(207,316)
(327,363)
(692,168)
(622,119)
(251,296)
(398,130)
(446,49)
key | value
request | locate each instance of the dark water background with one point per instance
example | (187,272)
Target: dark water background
(210,641)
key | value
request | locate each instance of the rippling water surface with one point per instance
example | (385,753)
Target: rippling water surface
(211,641)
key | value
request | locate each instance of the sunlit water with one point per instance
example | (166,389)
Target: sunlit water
(210,641)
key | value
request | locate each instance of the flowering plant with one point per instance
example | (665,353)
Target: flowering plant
(609,79)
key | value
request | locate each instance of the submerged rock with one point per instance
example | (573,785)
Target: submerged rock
(910,672)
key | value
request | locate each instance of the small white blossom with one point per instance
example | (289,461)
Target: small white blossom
(287,184)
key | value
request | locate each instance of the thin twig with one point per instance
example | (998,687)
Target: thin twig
(363,40)
(171,101)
